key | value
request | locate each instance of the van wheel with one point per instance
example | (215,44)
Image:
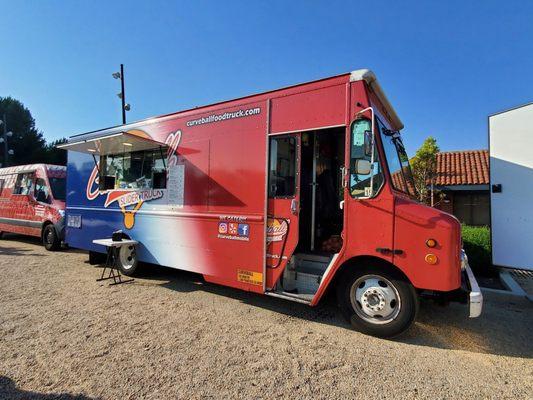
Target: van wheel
(377,302)
(50,239)
(127,260)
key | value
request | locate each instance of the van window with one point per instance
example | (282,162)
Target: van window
(42,193)
(282,170)
(134,170)
(59,187)
(24,183)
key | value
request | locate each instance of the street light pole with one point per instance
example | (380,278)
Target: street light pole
(5,141)
(123,94)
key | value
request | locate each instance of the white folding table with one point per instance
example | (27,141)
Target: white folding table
(113,250)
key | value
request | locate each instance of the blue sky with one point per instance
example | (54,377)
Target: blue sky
(444,65)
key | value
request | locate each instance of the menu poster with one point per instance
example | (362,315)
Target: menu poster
(176,185)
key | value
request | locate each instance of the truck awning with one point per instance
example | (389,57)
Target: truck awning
(114,143)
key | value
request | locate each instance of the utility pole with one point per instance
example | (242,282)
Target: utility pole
(122,94)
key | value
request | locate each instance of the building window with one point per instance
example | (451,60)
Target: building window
(472,208)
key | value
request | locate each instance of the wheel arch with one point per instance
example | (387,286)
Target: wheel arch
(44,225)
(358,262)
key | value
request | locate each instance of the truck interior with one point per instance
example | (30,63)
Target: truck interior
(320,216)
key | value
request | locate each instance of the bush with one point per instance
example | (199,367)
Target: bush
(476,242)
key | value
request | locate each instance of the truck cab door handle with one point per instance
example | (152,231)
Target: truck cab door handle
(388,251)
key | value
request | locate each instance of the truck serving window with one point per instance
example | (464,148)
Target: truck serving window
(360,152)
(282,169)
(134,170)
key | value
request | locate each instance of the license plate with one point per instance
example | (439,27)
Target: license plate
(74,221)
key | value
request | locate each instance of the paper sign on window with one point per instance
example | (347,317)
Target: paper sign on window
(176,185)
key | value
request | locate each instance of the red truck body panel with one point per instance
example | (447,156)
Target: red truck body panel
(225,225)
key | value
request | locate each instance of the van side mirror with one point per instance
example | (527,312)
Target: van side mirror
(361,167)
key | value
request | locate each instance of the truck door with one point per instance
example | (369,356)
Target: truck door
(283,203)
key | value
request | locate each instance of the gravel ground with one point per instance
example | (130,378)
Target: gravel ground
(168,335)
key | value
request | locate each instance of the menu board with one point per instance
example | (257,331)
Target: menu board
(176,185)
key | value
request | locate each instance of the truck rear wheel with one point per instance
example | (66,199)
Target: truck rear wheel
(51,241)
(377,302)
(127,260)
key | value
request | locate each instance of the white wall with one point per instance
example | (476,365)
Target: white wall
(511,165)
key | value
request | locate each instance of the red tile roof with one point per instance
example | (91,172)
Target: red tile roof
(469,167)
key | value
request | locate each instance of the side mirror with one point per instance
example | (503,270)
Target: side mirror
(362,167)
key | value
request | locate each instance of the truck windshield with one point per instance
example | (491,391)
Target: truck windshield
(397,160)
(58,186)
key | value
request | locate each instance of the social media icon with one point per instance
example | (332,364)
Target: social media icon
(223,227)
(233,228)
(244,230)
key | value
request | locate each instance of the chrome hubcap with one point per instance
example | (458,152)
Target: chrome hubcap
(375,299)
(127,256)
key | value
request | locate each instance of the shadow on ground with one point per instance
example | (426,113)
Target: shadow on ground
(8,250)
(503,329)
(8,390)
(6,238)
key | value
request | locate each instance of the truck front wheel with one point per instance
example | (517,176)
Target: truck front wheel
(377,302)
(51,241)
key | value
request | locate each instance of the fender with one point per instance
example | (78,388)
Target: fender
(59,226)
(338,264)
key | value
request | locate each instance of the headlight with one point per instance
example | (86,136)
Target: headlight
(62,213)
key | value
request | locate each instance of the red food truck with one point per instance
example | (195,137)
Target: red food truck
(32,202)
(289,193)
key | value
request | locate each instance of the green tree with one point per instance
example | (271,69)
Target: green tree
(53,155)
(424,166)
(27,142)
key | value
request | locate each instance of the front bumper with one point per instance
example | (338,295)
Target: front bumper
(469,283)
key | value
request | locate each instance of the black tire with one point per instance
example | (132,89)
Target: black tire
(1,235)
(51,241)
(127,260)
(375,290)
